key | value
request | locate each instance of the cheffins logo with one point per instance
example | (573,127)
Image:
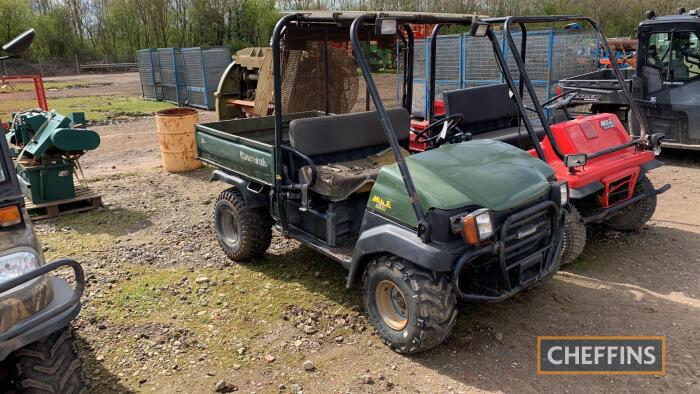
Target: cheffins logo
(613,355)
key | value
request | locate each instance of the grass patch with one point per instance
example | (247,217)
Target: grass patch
(238,301)
(101,108)
(86,232)
(15,87)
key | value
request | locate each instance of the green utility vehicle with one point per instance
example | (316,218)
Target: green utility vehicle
(37,352)
(467,220)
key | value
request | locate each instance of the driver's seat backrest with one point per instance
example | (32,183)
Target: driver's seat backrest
(485,108)
(339,138)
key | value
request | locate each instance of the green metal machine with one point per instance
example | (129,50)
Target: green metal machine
(47,147)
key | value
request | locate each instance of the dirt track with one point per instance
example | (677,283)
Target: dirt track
(625,284)
(151,322)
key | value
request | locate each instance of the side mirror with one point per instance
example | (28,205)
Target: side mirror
(20,44)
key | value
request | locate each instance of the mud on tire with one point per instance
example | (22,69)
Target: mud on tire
(429,301)
(634,217)
(50,365)
(574,236)
(243,233)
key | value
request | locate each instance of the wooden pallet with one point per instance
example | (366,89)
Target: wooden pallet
(84,200)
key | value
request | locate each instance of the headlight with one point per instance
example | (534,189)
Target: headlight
(16,264)
(477,226)
(564,193)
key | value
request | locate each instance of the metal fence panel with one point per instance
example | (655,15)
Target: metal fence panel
(203,69)
(149,73)
(464,62)
(172,72)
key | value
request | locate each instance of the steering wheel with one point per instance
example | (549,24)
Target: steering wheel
(422,137)
(561,101)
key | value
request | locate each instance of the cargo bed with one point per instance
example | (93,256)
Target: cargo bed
(243,146)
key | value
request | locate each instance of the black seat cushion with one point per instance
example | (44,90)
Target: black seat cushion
(484,108)
(489,113)
(338,133)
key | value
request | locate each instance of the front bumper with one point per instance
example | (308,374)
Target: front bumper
(607,213)
(515,274)
(64,306)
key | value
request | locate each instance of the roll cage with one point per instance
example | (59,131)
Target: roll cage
(355,22)
(519,55)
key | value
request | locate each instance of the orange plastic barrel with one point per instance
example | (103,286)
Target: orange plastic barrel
(177,140)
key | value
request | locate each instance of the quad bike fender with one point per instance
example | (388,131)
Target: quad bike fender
(587,190)
(650,165)
(597,185)
(390,238)
(253,193)
(63,308)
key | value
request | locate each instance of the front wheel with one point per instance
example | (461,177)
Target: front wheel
(50,365)
(412,309)
(243,233)
(633,217)
(573,237)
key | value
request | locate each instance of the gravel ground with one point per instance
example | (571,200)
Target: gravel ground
(165,311)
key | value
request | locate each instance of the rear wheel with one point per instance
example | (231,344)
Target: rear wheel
(243,233)
(574,236)
(50,365)
(633,217)
(412,309)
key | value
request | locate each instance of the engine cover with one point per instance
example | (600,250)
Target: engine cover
(590,134)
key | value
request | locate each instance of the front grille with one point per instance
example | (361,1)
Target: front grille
(526,242)
(619,190)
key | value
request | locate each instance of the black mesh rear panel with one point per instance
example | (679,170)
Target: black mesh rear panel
(312,58)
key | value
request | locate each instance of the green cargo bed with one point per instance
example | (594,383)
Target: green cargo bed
(244,146)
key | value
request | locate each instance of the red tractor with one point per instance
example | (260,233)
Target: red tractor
(603,165)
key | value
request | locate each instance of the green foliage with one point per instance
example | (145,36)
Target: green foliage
(115,29)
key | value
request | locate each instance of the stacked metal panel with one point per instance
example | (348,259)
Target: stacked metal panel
(149,73)
(203,70)
(465,62)
(172,74)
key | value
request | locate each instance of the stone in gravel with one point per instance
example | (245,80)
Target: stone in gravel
(220,386)
(296,389)
(281,387)
(201,279)
(269,358)
(499,337)
(367,379)
(309,330)
(309,366)
(339,339)
(210,373)
(297,343)
(236,366)
(241,351)
(100,358)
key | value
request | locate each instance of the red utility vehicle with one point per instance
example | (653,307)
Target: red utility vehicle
(604,167)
